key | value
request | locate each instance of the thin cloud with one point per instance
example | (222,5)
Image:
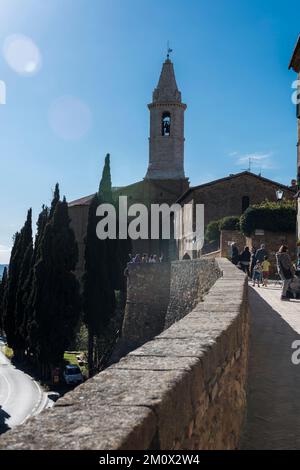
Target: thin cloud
(259,160)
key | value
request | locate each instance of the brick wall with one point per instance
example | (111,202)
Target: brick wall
(185,389)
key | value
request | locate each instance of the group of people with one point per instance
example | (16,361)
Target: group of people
(145,258)
(257,265)
(255,262)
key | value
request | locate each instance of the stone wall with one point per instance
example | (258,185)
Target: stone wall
(148,294)
(190,281)
(273,241)
(185,389)
(229,236)
(224,197)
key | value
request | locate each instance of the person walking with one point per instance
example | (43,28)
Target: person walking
(285,269)
(244,259)
(257,271)
(234,253)
(265,271)
(252,261)
(261,253)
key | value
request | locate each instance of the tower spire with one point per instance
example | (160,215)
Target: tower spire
(167,89)
(166,143)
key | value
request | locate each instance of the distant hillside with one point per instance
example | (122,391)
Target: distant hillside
(2,266)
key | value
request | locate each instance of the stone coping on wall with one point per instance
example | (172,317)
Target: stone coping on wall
(184,389)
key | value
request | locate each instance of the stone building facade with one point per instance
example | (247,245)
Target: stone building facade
(231,196)
(295,65)
(165,180)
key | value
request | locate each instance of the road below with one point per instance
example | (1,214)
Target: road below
(20,396)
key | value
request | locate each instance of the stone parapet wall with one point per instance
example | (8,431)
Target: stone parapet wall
(185,389)
(148,295)
(190,281)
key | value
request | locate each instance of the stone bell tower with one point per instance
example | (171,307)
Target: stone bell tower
(166,142)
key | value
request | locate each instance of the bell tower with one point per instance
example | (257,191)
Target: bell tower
(166,142)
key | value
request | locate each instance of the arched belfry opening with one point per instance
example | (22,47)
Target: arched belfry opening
(166,123)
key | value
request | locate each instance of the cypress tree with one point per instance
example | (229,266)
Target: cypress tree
(98,295)
(118,250)
(105,187)
(3,285)
(55,200)
(29,323)
(13,306)
(11,290)
(55,296)
(13,319)
(26,248)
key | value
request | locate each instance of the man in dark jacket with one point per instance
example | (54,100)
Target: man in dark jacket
(261,253)
(285,269)
(234,254)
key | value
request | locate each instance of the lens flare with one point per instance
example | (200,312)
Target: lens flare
(22,54)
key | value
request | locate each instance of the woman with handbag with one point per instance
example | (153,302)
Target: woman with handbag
(285,269)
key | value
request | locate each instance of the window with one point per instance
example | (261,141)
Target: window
(245,203)
(166,124)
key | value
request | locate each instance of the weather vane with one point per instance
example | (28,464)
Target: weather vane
(169,50)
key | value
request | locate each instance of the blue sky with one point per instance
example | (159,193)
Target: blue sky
(101,59)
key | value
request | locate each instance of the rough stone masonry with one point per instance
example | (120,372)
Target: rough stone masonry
(185,389)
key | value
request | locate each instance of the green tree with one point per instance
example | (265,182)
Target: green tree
(55,200)
(230,222)
(272,216)
(25,267)
(3,285)
(55,297)
(105,187)
(98,295)
(212,232)
(13,315)
(29,323)
(11,289)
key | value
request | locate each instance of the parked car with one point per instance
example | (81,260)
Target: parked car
(72,375)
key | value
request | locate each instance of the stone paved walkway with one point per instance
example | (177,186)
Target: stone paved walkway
(273,417)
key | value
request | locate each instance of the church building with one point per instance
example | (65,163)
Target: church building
(165,180)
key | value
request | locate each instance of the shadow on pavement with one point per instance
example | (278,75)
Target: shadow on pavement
(273,400)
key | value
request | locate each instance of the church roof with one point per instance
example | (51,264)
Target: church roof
(167,90)
(86,200)
(83,201)
(234,176)
(295,60)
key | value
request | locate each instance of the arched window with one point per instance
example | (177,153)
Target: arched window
(245,203)
(166,123)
